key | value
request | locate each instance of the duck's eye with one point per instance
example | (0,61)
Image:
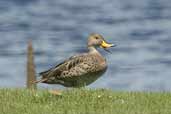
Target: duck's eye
(96,37)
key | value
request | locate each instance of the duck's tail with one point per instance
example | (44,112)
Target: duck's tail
(40,81)
(44,77)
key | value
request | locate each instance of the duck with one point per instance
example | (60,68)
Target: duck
(81,69)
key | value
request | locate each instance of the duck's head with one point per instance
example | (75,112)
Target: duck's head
(97,40)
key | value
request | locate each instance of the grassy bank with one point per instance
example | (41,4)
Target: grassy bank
(82,101)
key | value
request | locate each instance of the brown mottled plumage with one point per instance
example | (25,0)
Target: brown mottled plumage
(80,70)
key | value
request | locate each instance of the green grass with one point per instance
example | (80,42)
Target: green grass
(83,101)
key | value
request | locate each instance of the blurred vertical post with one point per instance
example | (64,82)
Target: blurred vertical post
(30,67)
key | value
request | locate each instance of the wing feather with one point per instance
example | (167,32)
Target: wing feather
(71,67)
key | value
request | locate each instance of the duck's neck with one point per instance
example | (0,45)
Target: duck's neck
(92,49)
(97,55)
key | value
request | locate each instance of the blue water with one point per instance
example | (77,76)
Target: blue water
(59,29)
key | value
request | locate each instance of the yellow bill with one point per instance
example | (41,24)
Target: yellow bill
(106,45)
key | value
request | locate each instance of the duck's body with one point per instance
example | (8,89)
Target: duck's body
(77,71)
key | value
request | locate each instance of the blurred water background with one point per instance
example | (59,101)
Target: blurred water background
(59,29)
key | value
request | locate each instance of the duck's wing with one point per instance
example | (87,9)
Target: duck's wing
(74,66)
(57,66)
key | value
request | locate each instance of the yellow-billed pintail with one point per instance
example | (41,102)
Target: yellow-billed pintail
(82,69)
